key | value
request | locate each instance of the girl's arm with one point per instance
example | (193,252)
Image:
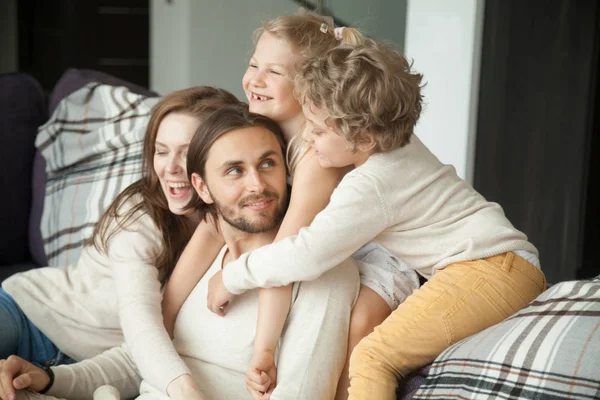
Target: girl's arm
(132,251)
(196,259)
(311,191)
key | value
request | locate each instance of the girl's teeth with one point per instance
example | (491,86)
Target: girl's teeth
(257,97)
(179,185)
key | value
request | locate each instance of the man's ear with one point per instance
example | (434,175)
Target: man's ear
(367,143)
(201,188)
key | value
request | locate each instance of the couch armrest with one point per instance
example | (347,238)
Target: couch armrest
(22,110)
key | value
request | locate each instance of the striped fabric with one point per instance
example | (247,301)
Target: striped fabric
(549,350)
(92,145)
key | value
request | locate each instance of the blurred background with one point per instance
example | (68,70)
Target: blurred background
(512,95)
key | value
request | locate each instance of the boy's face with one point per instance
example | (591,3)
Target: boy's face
(268,81)
(331,148)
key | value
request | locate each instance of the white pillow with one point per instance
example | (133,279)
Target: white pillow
(548,350)
(92,145)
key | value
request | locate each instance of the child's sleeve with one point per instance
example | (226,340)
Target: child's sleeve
(132,252)
(356,213)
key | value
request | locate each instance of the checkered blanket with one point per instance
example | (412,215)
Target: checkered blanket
(549,350)
(92,145)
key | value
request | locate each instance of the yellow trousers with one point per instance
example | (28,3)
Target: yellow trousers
(458,301)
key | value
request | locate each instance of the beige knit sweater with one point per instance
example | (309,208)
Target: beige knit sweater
(407,201)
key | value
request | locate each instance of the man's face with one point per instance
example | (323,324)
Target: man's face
(245,178)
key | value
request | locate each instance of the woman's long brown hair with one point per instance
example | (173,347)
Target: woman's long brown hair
(176,230)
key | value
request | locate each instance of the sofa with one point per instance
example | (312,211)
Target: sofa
(568,315)
(24,106)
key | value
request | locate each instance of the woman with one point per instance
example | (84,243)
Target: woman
(113,293)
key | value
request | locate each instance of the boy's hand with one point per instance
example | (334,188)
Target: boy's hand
(16,374)
(218,296)
(261,375)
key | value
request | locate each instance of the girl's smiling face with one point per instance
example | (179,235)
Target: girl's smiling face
(268,81)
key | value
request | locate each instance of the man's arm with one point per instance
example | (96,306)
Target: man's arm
(356,214)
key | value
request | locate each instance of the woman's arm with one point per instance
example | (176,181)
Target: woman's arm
(113,367)
(132,252)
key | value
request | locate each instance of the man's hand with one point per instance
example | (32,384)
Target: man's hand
(16,374)
(218,296)
(261,375)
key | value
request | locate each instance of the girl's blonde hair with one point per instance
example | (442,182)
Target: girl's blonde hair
(309,36)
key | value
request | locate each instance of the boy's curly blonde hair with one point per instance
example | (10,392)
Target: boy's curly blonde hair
(368,92)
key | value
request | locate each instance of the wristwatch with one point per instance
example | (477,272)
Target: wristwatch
(50,373)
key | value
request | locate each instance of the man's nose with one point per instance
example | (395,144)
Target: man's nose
(256,183)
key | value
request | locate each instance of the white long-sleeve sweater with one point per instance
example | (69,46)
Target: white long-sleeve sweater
(218,349)
(103,300)
(407,201)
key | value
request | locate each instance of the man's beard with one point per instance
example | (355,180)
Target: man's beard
(243,223)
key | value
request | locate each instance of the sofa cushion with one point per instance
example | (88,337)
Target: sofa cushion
(38,189)
(71,81)
(92,147)
(22,110)
(407,389)
(548,350)
(74,79)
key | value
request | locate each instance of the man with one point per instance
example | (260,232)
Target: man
(237,167)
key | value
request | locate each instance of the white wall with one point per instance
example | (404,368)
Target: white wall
(444,39)
(201,42)
(8,36)
(170,45)
(381,19)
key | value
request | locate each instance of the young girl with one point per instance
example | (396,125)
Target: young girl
(362,103)
(113,292)
(282,45)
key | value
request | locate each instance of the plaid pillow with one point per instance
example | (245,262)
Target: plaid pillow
(92,145)
(548,350)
